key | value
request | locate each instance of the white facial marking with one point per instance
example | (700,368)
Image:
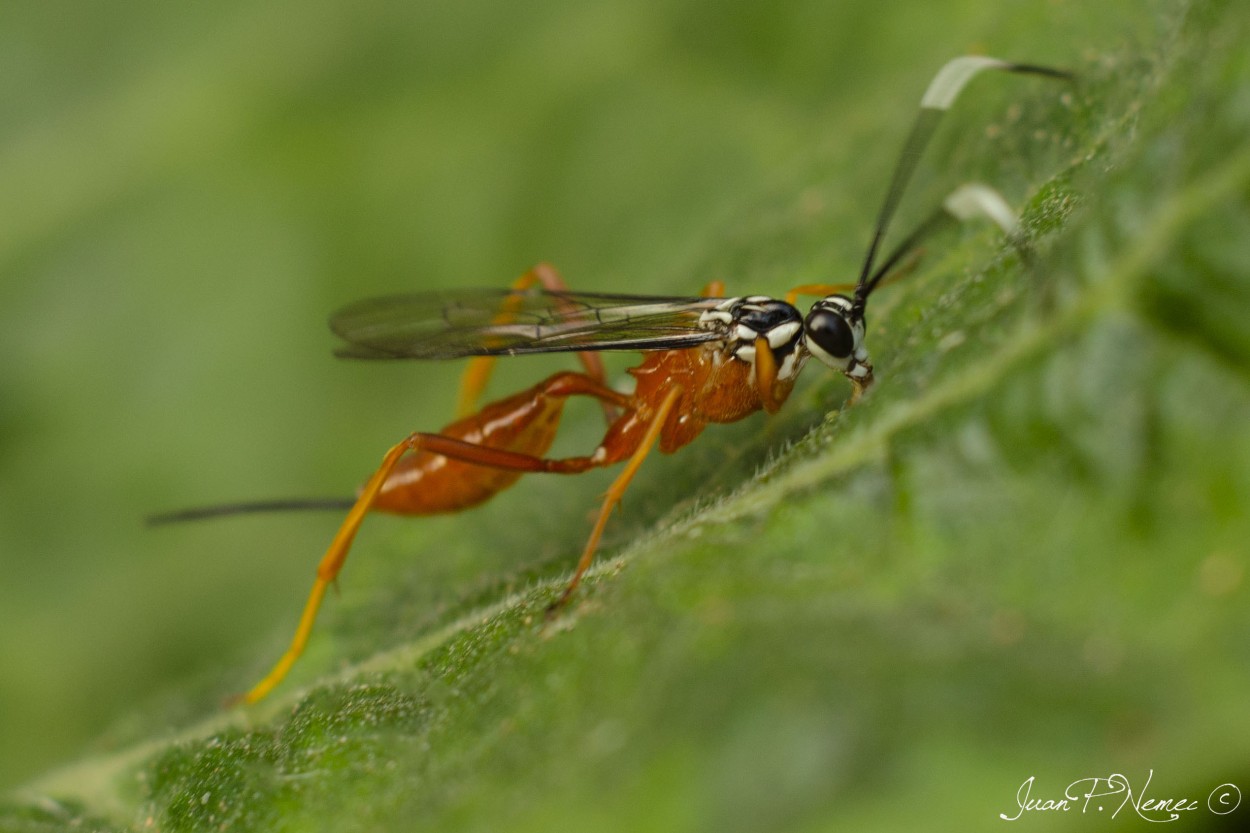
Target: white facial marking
(791,366)
(781,335)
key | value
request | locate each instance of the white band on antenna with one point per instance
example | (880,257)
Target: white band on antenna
(952,77)
(977,200)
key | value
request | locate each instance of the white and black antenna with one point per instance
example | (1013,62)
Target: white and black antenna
(963,203)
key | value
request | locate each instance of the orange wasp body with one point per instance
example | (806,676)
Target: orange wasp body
(445,477)
(707,359)
(475,457)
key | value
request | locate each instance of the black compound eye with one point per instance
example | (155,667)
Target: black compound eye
(831,332)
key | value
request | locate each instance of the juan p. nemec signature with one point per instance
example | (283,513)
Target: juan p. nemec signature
(1112,793)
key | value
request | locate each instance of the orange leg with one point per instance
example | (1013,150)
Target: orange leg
(617,490)
(766,374)
(817,289)
(476,375)
(901,271)
(329,567)
(561,385)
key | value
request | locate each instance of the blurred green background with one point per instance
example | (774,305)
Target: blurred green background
(189,191)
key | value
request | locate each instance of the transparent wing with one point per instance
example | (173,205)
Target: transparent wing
(489,322)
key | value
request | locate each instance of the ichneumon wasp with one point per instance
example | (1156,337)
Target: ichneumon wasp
(707,359)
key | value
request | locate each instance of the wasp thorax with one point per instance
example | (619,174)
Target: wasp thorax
(759,316)
(834,334)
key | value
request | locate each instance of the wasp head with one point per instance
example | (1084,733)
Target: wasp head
(833,332)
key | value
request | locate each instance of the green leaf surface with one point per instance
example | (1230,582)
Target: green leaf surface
(1022,555)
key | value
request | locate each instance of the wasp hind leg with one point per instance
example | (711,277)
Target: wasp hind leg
(560,386)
